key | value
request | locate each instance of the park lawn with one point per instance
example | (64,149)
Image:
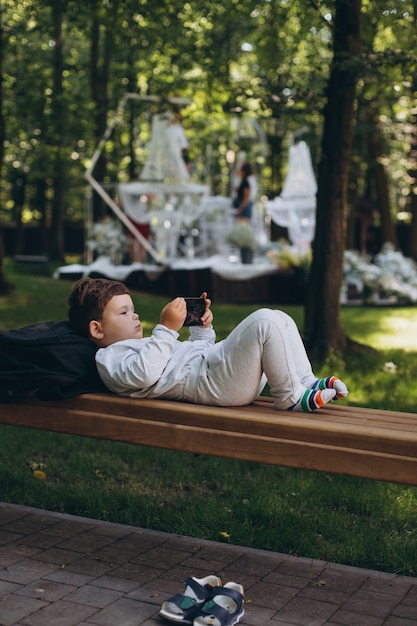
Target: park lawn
(341,519)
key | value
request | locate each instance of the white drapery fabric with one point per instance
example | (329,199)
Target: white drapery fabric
(295,208)
(165,160)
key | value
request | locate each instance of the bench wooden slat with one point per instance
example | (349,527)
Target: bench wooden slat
(328,426)
(367,443)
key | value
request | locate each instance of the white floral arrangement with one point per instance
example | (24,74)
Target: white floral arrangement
(390,277)
(358,271)
(109,240)
(241,236)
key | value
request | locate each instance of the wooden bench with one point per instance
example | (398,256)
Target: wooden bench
(32,264)
(367,443)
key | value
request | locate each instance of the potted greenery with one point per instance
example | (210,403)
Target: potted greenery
(241,236)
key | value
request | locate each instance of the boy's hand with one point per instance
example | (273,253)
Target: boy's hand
(207,318)
(173,314)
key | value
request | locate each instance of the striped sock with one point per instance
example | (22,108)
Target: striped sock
(332,382)
(312,400)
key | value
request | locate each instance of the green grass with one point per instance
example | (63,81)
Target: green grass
(341,519)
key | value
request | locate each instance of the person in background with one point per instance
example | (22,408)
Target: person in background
(243,203)
(137,251)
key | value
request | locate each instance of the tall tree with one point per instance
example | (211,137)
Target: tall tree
(103,28)
(412,198)
(5,285)
(379,175)
(58,124)
(323,328)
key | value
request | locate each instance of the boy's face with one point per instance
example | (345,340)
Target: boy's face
(119,322)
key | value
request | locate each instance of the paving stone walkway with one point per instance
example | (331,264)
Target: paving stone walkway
(62,570)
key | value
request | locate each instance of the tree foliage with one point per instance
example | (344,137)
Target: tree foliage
(67,65)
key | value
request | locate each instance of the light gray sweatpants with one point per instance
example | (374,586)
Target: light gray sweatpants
(265,346)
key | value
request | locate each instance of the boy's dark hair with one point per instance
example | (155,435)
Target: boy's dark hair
(88,299)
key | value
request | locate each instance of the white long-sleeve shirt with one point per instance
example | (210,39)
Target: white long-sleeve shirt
(159,366)
(266,345)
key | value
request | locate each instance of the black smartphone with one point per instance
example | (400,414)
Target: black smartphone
(195,310)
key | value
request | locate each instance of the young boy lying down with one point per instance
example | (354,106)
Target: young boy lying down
(265,347)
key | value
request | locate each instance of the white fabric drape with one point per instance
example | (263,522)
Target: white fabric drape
(295,208)
(165,159)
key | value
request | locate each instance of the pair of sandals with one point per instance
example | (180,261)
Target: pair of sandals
(206,602)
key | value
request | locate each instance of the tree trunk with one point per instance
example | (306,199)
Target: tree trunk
(100,73)
(5,286)
(380,177)
(323,329)
(39,202)
(18,194)
(352,240)
(133,172)
(412,198)
(57,226)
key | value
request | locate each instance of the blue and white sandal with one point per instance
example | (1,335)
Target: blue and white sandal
(225,608)
(182,608)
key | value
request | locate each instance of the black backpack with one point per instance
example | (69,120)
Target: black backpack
(49,360)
